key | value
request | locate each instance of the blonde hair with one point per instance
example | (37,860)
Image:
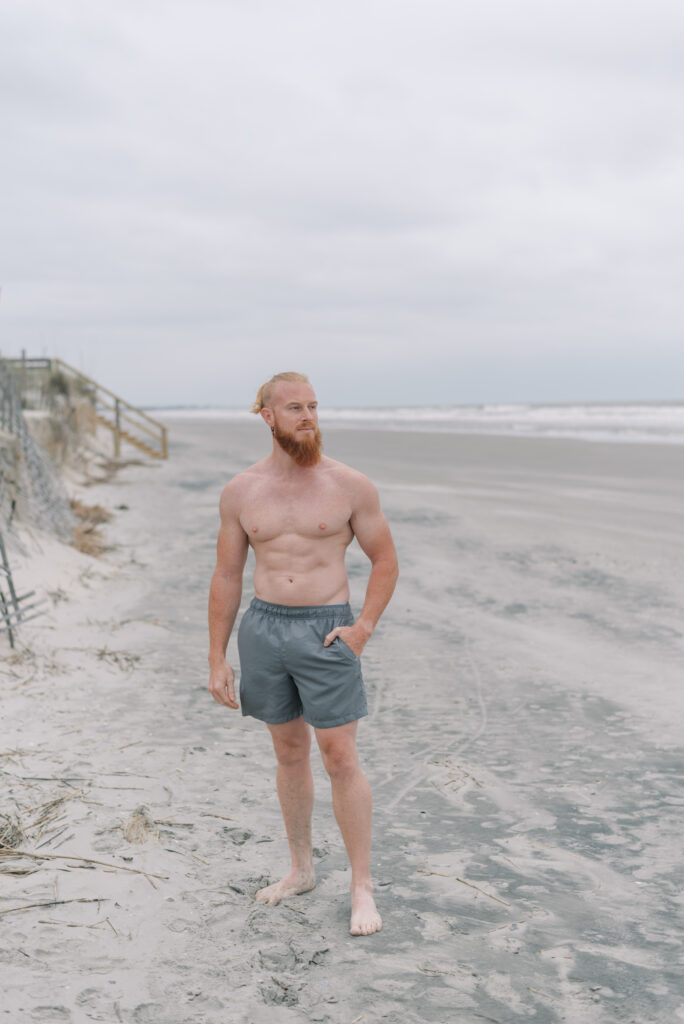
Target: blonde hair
(265,392)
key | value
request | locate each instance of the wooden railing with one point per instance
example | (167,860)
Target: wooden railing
(127,422)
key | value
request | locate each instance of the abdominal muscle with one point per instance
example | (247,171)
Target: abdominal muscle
(301,577)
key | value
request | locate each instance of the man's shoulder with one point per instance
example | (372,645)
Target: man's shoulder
(347,477)
(242,483)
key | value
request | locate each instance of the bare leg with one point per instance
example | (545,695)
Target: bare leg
(353,807)
(292,745)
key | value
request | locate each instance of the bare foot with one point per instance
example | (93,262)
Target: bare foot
(291,885)
(365,919)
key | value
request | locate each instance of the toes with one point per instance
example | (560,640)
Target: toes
(264,896)
(366,927)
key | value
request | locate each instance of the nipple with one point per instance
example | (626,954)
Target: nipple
(322,526)
(255,529)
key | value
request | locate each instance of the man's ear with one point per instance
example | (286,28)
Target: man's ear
(267,417)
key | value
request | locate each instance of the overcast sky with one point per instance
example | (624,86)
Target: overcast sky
(415,202)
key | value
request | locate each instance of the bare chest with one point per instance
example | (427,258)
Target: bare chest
(271,512)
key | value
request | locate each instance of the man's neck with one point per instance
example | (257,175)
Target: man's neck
(285,465)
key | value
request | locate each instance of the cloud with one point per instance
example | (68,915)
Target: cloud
(440,193)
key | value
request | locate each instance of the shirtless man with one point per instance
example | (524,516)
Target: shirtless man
(298,642)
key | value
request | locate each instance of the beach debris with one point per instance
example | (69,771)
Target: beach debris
(88,861)
(108,469)
(427,969)
(72,924)
(122,659)
(483,891)
(65,840)
(139,826)
(133,743)
(11,832)
(87,537)
(54,835)
(93,514)
(237,836)
(54,903)
(49,824)
(281,994)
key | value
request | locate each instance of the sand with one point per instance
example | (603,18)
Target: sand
(524,748)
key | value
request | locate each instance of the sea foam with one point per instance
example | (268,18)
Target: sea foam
(629,422)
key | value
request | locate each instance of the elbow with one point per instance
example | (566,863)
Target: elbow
(389,566)
(222,580)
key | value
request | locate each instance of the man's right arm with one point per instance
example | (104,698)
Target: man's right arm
(224,596)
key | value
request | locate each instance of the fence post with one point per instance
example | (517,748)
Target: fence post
(117,429)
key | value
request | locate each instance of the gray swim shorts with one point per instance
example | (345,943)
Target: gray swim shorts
(287,672)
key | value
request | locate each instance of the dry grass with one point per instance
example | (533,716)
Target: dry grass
(94,514)
(11,832)
(139,826)
(105,469)
(87,537)
(122,659)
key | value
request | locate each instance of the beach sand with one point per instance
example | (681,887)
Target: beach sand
(524,747)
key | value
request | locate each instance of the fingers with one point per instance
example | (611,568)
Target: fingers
(221,697)
(223,690)
(332,635)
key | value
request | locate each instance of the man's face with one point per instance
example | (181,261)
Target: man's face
(295,422)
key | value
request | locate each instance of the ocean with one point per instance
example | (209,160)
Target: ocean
(627,422)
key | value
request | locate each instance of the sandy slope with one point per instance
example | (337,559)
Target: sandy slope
(524,749)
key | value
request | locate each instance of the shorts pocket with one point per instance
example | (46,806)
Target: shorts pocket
(346,648)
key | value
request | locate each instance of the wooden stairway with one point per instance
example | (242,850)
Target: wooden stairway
(125,435)
(127,423)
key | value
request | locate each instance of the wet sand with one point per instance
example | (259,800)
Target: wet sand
(524,747)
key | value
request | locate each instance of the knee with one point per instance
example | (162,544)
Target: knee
(290,754)
(340,761)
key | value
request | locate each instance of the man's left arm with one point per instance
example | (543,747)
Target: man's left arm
(373,534)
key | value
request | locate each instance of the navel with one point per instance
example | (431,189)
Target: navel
(322,526)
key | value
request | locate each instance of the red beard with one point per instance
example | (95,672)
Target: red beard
(305,450)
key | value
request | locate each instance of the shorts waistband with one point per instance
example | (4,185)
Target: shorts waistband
(298,611)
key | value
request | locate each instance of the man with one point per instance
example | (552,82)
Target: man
(298,643)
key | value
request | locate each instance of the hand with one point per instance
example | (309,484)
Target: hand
(222,685)
(355,637)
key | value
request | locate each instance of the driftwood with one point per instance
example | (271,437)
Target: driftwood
(8,851)
(53,903)
(483,891)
